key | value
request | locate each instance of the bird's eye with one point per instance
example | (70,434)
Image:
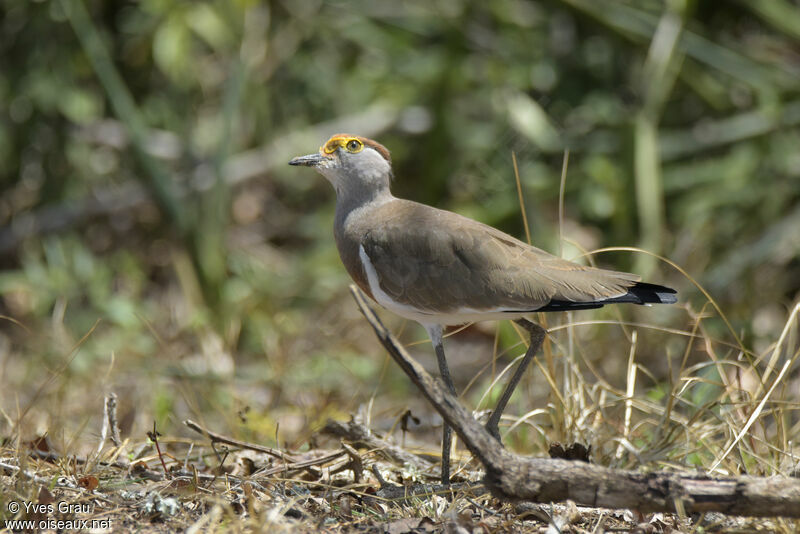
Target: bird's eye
(354,145)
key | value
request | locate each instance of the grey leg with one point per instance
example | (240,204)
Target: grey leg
(435,332)
(537,338)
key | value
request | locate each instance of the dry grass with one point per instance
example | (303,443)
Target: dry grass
(643,395)
(98,299)
(647,388)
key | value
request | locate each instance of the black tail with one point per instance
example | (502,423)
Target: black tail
(640,293)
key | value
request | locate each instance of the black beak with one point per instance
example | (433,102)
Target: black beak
(312,160)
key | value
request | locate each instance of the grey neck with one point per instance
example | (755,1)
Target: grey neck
(352,218)
(348,201)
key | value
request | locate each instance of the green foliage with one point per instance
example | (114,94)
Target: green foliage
(144,185)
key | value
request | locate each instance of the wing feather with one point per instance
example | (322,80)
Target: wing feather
(442,262)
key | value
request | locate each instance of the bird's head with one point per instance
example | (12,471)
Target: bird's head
(351,163)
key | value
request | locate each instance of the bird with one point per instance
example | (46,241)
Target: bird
(439,268)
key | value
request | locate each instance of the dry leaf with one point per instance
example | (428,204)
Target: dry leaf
(89,482)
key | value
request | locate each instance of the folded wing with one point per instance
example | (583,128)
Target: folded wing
(442,262)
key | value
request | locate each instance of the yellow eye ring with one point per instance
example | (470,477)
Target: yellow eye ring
(353,146)
(350,144)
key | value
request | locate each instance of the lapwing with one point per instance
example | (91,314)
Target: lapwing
(439,268)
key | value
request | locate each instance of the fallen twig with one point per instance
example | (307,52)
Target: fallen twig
(137,469)
(110,428)
(290,463)
(305,464)
(154,438)
(219,438)
(513,477)
(356,464)
(47,481)
(355,432)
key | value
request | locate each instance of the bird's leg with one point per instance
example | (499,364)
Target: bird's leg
(537,334)
(435,332)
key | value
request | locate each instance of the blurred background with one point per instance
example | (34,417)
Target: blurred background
(153,241)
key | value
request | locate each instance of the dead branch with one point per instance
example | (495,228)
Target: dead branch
(355,432)
(513,477)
